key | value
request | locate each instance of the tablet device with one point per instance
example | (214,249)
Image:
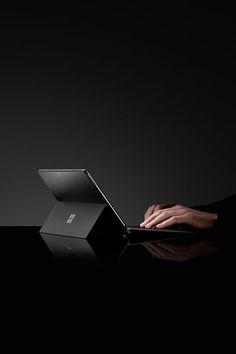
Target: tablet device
(82,201)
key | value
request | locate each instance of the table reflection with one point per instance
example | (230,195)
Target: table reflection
(101,249)
(181,250)
(97,250)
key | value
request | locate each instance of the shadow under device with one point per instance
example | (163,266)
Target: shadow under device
(82,208)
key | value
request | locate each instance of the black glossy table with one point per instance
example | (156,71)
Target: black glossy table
(25,247)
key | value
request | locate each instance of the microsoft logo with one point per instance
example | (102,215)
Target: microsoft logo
(70,219)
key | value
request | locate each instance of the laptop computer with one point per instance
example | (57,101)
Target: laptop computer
(83,207)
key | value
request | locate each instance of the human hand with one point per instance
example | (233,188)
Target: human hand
(166,215)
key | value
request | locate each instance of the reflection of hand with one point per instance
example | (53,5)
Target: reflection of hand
(180,253)
(166,215)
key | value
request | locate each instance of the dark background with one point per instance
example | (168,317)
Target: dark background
(143,97)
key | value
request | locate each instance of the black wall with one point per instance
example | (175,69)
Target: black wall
(142,97)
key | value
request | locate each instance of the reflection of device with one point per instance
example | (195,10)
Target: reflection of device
(96,250)
(82,207)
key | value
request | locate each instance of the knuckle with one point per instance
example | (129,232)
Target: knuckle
(178,206)
(167,213)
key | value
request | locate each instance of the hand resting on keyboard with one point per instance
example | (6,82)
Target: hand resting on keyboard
(178,217)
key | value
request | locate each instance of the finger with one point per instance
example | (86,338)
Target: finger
(163,216)
(149,211)
(154,215)
(161,206)
(152,209)
(177,219)
(166,205)
(156,207)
